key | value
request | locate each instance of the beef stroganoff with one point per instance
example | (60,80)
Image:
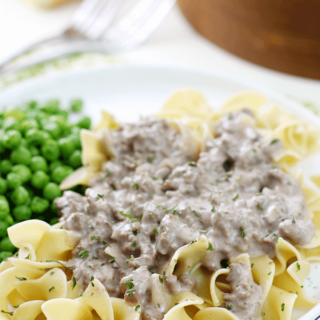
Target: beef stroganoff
(188,215)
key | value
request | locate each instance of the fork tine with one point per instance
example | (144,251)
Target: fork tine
(104,19)
(130,32)
(89,13)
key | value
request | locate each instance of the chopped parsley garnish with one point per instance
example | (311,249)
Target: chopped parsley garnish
(21,279)
(88,266)
(210,197)
(154,178)
(130,287)
(112,259)
(274,141)
(101,196)
(254,150)
(74,282)
(158,305)
(259,206)
(293,221)
(92,278)
(155,230)
(276,237)
(150,159)
(298,267)
(83,254)
(91,228)
(95,238)
(252,264)
(210,248)
(129,216)
(283,306)
(213,208)
(10,313)
(236,197)
(132,257)
(28,256)
(134,244)
(70,268)
(192,164)
(269,273)
(135,186)
(193,241)
(160,279)
(137,307)
(16,307)
(108,173)
(242,232)
(197,214)
(51,273)
(52,288)
(203,231)
(136,232)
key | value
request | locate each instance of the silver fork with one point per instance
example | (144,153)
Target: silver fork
(90,21)
(87,31)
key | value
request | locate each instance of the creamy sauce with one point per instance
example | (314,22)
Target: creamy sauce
(151,199)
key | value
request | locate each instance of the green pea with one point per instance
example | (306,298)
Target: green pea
(55,164)
(76,159)
(32,104)
(23,171)
(35,137)
(66,147)
(54,129)
(6,245)
(84,123)
(9,220)
(12,139)
(14,112)
(5,255)
(5,166)
(75,140)
(2,147)
(19,196)
(40,179)
(3,229)
(60,173)
(4,198)
(11,124)
(28,124)
(22,213)
(34,151)
(75,130)
(21,155)
(13,180)
(39,205)
(41,116)
(4,209)
(53,208)
(24,143)
(64,114)
(3,186)
(52,106)
(76,105)
(51,191)
(54,221)
(38,163)
(50,150)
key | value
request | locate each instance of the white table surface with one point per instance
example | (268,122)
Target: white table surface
(175,43)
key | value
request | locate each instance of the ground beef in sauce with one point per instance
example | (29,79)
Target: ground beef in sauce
(152,198)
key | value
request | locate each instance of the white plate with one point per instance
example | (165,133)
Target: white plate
(129,92)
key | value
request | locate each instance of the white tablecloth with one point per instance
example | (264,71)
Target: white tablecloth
(175,43)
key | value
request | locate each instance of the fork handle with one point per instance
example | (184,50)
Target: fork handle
(6,62)
(73,47)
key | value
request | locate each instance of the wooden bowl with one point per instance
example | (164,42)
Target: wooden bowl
(280,34)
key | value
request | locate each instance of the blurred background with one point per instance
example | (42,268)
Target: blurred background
(273,43)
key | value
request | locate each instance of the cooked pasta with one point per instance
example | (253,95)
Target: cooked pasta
(39,283)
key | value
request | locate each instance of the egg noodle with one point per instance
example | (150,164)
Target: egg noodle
(36,284)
